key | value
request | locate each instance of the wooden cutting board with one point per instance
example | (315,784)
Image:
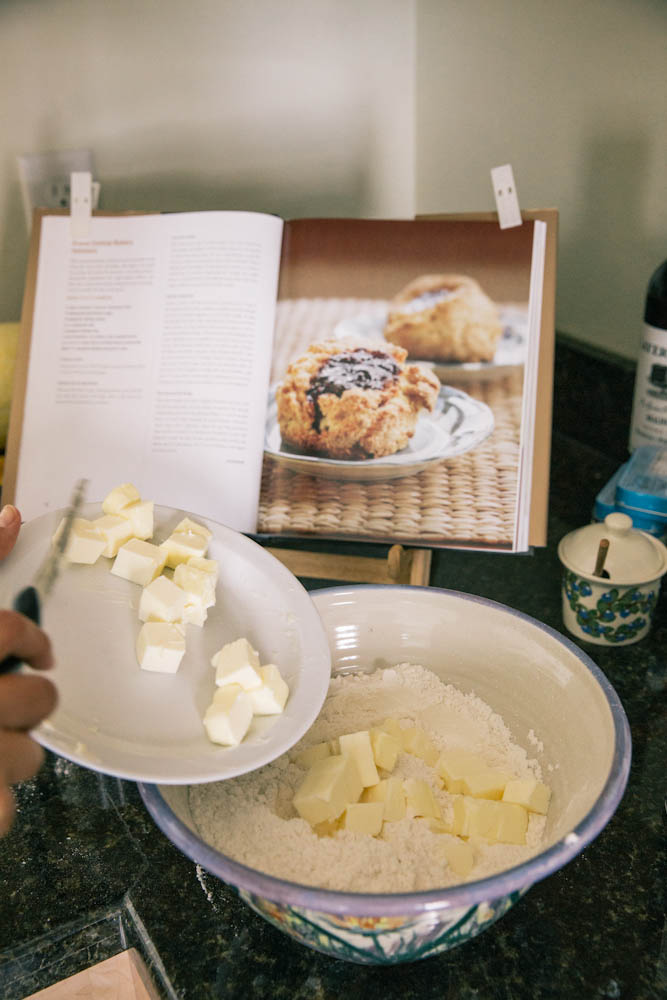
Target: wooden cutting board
(123,977)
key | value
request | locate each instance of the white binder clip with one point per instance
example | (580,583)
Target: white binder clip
(81,203)
(504,191)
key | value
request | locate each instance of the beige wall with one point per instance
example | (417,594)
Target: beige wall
(573,93)
(309,107)
(298,107)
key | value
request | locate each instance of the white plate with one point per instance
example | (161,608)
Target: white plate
(114,717)
(457,424)
(510,352)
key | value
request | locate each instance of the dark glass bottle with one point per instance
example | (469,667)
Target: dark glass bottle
(649,406)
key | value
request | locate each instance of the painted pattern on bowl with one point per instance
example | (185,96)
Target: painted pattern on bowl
(382,940)
(607,614)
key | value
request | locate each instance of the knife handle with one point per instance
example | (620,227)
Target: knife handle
(26,603)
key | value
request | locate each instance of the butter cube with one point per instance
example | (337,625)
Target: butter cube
(460,857)
(182,545)
(436,825)
(386,749)
(209,566)
(85,544)
(141,518)
(115,530)
(162,601)
(119,498)
(419,797)
(358,745)
(328,827)
(187,524)
(328,788)
(228,717)
(416,742)
(394,728)
(364,817)
(237,663)
(390,792)
(486,784)
(506,822)
(310,756)
(529,793)
(199,584)
(160,647)
(271,696)
(455,765)
(138,561)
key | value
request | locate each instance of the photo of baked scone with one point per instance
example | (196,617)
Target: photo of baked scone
(353,400)
(444,317)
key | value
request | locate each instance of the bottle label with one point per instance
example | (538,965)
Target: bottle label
(649,406)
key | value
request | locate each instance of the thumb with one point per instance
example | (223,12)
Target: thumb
(10,523)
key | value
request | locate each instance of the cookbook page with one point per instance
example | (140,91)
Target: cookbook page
(410,395)
(148,361)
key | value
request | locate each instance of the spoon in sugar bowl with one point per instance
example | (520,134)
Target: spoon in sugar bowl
(611,580)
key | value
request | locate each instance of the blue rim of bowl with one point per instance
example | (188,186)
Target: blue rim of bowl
(516,879)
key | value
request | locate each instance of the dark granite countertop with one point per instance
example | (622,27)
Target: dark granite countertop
(85,872)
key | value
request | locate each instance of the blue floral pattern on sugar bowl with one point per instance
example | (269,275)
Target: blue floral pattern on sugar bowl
(382,940)
(611,602)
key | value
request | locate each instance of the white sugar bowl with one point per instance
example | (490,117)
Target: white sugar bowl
(613,606)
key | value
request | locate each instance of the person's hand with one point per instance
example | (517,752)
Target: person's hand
(25,699)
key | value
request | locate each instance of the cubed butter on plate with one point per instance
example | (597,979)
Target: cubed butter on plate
(120,497)
(162,601)
(85,544)
(138,561)
(160,647)
(182,545)
(227,719)
(237,663)
(327,789)
(209,566)
(270,697)
(187,524)
(141,517)
(115,530)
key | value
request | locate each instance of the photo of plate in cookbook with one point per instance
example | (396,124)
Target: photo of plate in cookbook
(456,424)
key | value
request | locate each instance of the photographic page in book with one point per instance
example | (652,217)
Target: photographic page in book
(403,400)
(149,361)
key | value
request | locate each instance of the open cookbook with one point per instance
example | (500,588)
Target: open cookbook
(369,380)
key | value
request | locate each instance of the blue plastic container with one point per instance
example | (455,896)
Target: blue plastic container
(639,489)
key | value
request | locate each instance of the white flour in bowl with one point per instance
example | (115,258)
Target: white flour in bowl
(252,820)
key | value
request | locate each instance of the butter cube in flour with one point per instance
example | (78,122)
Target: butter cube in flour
(419,798)
(115,530)
(390,792)
(162,601)
(416,742)
(529,793)
(237,663)
(327,789)
(454,766)
(119,498)
(160,647)
(485,784)
(85,544)
(505,822)
(188,539)
(386,749)
(459,854)
(270,698)
(364,817)
(141,518)
(228,717)
(138,561)
(358,745)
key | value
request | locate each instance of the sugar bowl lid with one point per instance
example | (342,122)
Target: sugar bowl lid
(632,556)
